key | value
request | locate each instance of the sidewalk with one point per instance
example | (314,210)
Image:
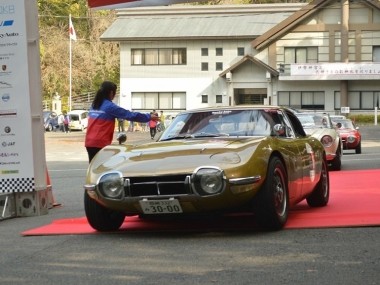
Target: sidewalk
(70,146)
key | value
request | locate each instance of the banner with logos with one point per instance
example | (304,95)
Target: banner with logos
(16,147)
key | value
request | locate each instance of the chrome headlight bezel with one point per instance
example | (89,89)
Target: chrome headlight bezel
(327,140)
(208,180)
(351,138)
(111,185)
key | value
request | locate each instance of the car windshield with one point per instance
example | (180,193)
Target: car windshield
(345,124)
(221,123)
(314,120)
(74,117)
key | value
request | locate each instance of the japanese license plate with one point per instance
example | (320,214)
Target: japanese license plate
(170,206)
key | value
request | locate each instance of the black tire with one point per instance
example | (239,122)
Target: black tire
(358,149)
(272,202)
(336,163)
(321,193)
(101,218)
(50,128)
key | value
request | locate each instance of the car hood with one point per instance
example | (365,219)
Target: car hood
(347,132)
(319,132)
(163,158)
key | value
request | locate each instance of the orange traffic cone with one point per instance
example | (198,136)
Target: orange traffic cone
(49,188)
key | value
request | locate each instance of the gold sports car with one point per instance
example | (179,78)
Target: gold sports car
(211,161)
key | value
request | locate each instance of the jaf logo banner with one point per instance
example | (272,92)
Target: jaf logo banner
(16,152)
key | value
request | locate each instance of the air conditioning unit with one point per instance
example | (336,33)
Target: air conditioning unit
(229,76)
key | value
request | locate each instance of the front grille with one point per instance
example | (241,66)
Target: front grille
(157,186)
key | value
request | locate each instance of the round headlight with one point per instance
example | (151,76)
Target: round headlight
(327,141)
(208,181)
(351,139)
(111,185)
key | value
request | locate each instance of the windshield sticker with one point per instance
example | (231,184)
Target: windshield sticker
(224,112)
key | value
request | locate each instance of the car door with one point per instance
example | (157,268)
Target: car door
(294,147)
(306,146)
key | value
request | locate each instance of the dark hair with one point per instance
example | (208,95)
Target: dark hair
(103,93)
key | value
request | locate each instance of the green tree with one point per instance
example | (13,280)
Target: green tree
(92,60)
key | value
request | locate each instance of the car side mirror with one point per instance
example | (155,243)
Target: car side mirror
(121,138)
(279,130)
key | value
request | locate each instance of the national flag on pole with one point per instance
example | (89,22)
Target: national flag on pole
(73,35)
(118,4)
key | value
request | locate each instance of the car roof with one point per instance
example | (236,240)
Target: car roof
(238,107)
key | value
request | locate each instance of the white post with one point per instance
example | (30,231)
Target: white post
(375,116)
(70,76)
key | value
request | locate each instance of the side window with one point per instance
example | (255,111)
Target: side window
(296,124)
(289,133)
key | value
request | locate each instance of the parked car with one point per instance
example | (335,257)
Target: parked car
(50,121)
(78,120)
(216,160)
(320,126)
(350,135)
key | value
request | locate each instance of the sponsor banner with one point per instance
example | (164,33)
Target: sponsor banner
(16,148)
(118,4)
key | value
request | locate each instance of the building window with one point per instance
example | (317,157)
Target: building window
(158,100)
(301,55)
(359,100)
(376,54)
(154,56)
(204,98)
(302,99)
(219,66)
(204,51)
(204,66)
(219,51)
(240,51)
(218,99)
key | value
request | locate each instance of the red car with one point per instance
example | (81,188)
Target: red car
(350,135)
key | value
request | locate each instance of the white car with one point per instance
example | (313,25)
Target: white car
(78,120)
(320,126)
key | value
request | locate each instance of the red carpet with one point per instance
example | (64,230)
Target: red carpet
(354,202)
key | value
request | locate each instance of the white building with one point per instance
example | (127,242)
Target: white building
(323,55)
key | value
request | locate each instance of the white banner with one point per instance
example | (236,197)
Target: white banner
(335,71)
(16,151)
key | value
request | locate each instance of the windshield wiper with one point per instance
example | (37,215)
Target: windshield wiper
(179,137)
(196,135)
(210,135)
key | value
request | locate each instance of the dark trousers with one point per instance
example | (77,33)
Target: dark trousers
(153,132)
(92,151)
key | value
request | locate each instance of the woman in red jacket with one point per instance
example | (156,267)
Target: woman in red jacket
(101,119)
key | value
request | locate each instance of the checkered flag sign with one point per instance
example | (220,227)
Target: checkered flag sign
(14,185)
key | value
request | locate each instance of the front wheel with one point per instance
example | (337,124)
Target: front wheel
(336,163)
(101,218)
(358,149)
(272,201)
(321,193)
